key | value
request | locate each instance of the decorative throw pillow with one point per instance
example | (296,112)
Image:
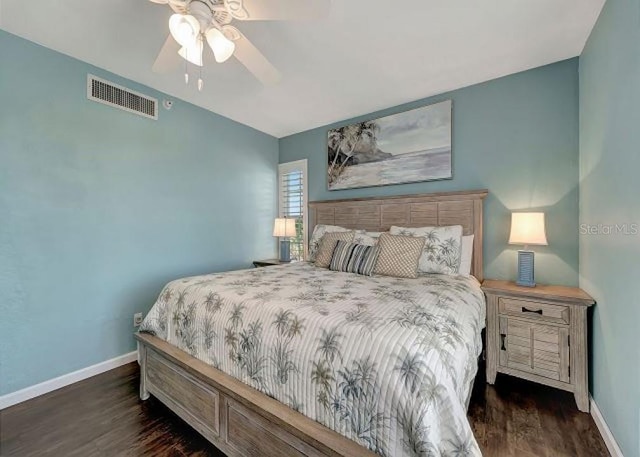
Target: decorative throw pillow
(366,238)
(328,244)
(466,256)
(318,231)
(441,253)
(354,258)
(399,255)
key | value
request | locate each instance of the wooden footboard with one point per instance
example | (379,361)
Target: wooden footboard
(236,418)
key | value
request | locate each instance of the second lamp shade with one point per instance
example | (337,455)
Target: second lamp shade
(528,228)
(284,227)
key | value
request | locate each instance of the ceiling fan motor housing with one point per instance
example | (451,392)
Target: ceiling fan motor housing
(209,13)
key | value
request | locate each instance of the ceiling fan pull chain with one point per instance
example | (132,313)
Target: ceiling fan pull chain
(186,68)
(200,81)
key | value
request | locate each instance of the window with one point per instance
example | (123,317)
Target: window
(292,194)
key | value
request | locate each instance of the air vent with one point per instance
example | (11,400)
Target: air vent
(111,94)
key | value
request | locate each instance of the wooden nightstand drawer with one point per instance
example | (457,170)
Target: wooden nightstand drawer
(559,314)
(535,348)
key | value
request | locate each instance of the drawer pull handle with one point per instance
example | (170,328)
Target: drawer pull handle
(502,338)
(527,310)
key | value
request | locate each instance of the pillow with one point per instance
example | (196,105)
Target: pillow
(328,244)
(441,252)
(366,238)
(354,258)
(466,256)
(399,255)
(318,231)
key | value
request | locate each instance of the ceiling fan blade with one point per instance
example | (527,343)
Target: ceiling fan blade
(168,57)
(178,6)
(256,62)
(278,10)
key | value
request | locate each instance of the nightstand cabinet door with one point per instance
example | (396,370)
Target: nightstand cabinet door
(535,348)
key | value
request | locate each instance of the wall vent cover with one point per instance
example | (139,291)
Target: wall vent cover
(108,93)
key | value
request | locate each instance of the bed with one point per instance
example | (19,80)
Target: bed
(299,360)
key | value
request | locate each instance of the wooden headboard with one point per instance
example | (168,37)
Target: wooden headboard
(378,214)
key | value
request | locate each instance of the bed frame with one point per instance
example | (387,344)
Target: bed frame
(242,421)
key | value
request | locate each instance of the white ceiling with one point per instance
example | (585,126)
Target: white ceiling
(367,55)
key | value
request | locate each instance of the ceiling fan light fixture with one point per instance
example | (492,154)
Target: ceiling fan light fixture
(221,46)
(193,53)
(184,29)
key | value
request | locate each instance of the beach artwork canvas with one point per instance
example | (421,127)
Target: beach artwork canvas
(406,147)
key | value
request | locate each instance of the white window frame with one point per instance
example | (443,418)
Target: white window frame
(288,167)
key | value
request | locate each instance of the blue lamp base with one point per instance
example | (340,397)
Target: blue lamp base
(526,260)
(285,250)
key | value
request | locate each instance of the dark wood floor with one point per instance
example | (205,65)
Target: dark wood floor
(520,418)
(102,416)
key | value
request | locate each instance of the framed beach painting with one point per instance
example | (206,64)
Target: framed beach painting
(406,147)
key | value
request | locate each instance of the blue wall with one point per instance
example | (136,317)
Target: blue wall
(610,194)
(99,208)
(516,136)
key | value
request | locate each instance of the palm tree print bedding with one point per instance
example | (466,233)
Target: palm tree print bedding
(386,362)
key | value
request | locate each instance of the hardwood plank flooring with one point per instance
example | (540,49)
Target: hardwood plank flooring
(515,417)
(102,416)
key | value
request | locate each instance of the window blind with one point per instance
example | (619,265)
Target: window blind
(292,191)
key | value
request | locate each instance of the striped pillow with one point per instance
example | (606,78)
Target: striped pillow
(328,245)
(354,258)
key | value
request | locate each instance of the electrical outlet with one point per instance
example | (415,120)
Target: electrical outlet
(137,319)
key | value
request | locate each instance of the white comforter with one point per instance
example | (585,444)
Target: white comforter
(385,362)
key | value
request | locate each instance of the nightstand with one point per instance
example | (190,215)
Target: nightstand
(268,263)
(540,334)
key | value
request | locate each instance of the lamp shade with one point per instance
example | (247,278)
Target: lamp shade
(221,46)
(528,228)
(184,29)
(284,227)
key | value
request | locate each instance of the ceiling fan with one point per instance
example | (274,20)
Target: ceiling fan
(195,22)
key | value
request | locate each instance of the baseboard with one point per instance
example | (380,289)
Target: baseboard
(28,393)
(607,436)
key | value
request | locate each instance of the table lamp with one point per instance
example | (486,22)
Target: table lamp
(527,229)
(284,228)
